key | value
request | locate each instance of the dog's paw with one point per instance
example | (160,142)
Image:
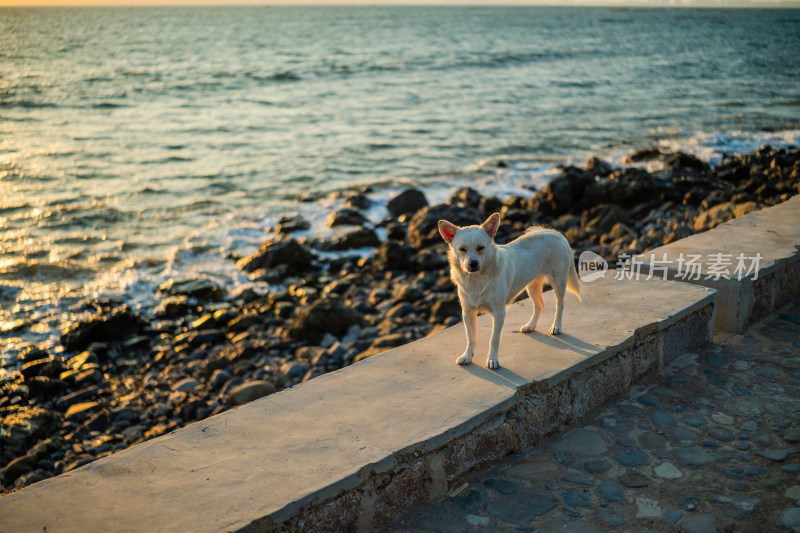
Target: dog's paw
(464,359)
(527,328)
(492,364)
(555,330)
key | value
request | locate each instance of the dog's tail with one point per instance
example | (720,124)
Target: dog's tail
(573,285)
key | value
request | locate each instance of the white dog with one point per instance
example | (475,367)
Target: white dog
(489,276)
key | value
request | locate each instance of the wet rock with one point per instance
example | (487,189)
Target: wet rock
(466,196)
(423,228)
(357,201)
(291,224)
(50,368)
(17,467)
(361,238)
(282,251)
(678,163)
(78,396)
(201,288)
(251,390)
(346,217)
(173,307)
(407,202)
(598,167)
(120,324)
(80,411)
(33,353)
(22,427)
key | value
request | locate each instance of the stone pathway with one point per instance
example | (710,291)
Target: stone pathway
(712,444)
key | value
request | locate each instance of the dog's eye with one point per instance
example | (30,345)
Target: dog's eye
(462,250)
(481,248)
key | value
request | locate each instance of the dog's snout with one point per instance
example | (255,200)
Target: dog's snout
(473,265)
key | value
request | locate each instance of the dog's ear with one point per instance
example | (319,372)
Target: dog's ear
(447,230)
(491,225)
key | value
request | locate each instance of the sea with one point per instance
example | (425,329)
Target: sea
(143,144)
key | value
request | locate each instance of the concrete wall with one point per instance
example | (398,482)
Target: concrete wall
(774,233)
(354,449)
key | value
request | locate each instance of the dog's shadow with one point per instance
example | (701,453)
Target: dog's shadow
(509,378)
(565,341)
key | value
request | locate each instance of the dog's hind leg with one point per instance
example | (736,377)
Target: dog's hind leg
(499,317)
(534,290)
(559,289)
(471,324)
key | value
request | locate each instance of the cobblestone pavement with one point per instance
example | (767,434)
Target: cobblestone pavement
(712,444)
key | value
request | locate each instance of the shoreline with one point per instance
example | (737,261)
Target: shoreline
(124,377)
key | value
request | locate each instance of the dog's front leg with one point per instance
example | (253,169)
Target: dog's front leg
(470,316)
(499,317)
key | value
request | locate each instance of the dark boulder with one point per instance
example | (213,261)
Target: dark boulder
(360,238)
(281,251)
(346,217)
(423,228)
(567,189)
(466,196)
(393,255)
(680,163)
(200,288)
(407,202)
(601,218)
(626,187)
(118,325)
(327,315)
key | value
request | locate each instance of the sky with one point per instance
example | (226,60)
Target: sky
(631,3)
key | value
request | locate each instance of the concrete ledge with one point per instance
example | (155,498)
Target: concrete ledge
(354,449)
(774,233)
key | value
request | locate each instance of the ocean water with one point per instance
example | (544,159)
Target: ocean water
(138,144)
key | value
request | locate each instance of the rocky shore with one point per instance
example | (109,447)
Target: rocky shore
(123,377)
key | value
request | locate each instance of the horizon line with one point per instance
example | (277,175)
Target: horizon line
(618,4)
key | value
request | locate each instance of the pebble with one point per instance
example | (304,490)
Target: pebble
(632,458)
(610,491)
(576,499)
(739,505)
(474,520)
(647,508)
(722,418)
(503,486)
(672,517)
(793,492)
(661,418)
(634,480)
(597,466)
(689,503)
(694,421)
(667,470)
(791,518)
(612,517)
(522,507)
(776,455)
(581,442)
(702,523)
